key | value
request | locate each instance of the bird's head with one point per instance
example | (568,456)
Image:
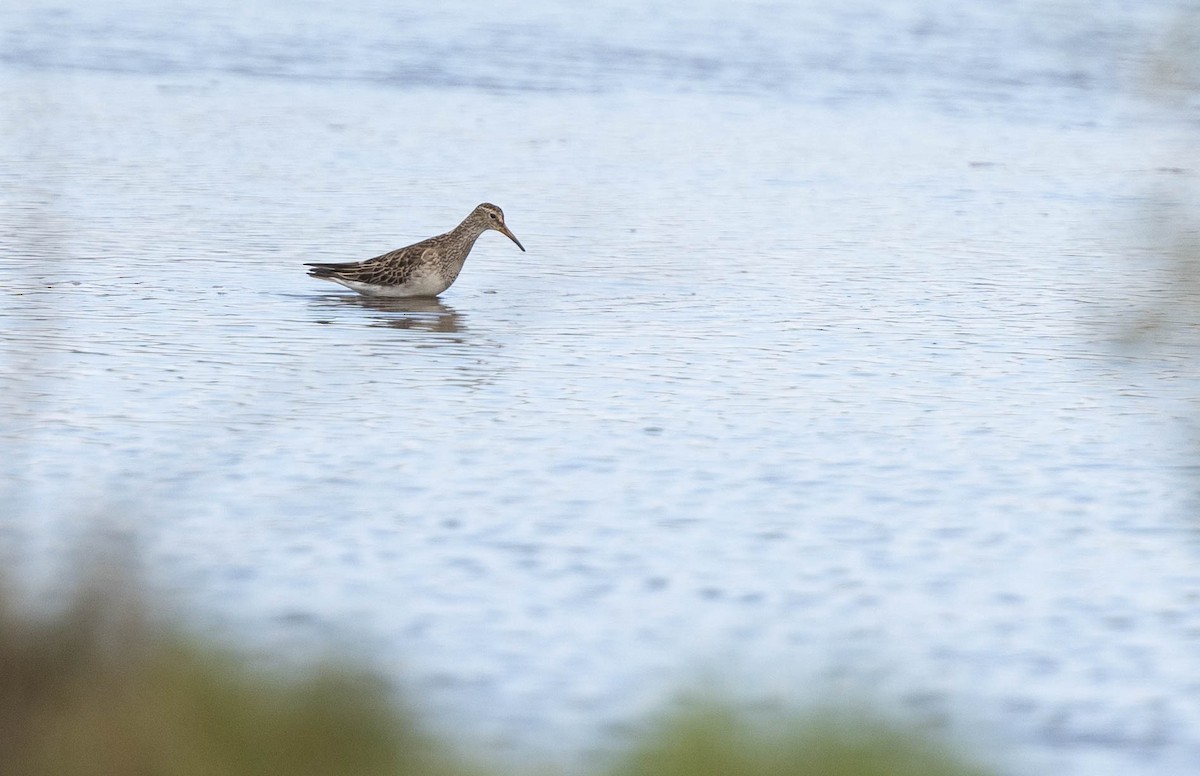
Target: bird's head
(492,217)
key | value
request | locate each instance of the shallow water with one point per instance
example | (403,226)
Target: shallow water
(807,381)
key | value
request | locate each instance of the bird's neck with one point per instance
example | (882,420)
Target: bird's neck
(469,230)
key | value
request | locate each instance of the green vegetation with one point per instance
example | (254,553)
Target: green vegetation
(100,691)
(714,742)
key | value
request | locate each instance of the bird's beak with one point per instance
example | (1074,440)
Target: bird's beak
(511,236)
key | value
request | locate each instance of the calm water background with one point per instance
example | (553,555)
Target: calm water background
(805,387)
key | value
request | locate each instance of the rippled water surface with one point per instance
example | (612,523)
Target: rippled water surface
(806,381)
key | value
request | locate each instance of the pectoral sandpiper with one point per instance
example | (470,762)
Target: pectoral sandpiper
(426,268)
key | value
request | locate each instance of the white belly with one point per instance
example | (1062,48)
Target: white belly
(431,284)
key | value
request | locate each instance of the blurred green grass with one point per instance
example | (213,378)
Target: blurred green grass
(100,690)
(710,740)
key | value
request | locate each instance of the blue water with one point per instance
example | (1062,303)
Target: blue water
(808,386)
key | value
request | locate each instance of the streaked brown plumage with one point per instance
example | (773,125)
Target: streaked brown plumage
(426,268)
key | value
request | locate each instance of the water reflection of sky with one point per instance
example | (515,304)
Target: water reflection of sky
(950,56)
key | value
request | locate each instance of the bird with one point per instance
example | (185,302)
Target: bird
(423,269)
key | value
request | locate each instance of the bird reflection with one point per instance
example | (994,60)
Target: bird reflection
(411,313)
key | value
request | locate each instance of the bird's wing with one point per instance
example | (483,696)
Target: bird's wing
(388,269)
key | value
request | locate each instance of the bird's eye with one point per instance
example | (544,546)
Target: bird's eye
(492,216)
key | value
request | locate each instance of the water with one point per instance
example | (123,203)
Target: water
(806,385)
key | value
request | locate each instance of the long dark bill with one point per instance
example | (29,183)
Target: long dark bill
(511,236)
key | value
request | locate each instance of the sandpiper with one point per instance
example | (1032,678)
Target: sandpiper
(426,268)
